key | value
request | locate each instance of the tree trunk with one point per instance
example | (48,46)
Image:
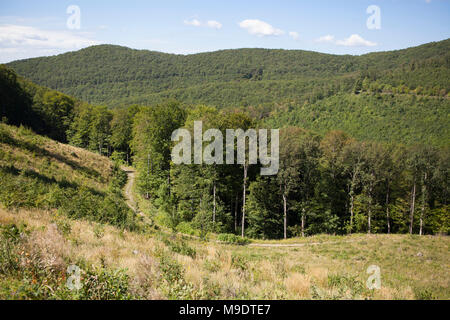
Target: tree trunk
(346,201)
(422,213)
(236,213)
(369,218)
(303,222)
(413,202)
(284,215)
(168,181)
(355,173)
(243,200)
(351,213)
(387,210)
(214,202)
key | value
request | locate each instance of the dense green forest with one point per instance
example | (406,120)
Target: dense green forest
(113,75)
(329,184)
(46,111)
(363,145)
(403,93)
(372,116)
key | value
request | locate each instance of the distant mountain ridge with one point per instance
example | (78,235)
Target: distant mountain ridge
(114,75)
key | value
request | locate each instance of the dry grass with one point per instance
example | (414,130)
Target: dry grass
(46,249)
(298,284)
(242,272)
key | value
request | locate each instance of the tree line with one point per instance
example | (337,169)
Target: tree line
(327,182)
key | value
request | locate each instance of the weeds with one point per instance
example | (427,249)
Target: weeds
(37,260)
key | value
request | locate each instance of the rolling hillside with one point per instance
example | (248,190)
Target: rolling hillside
(62,206)
(403,94)
(233,175)
(114,75)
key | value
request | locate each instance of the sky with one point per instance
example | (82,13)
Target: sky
(30,28)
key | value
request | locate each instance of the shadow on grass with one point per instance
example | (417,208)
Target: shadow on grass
(8,139)
(63,184)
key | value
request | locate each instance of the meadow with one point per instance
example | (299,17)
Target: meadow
(160,265)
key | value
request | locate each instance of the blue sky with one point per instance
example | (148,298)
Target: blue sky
(31,28)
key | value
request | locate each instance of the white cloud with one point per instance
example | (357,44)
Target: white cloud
(327,38)
(260,28)
(294,35)
(193,22)
(214,24)
(17,42)
(355,41)
(20,36)
(210,24)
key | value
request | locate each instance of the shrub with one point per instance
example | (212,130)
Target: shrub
(9,258)
(109,209)
(180,247)
(186,228)
(423,294)
(104,284)
(118,157)
(232,239)
(63,226)
(239,262)
(113,210)
(347,286)
(212,265)
(171,270)
(119,178)
(99,231)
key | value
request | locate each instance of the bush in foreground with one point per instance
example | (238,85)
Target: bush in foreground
(232,239)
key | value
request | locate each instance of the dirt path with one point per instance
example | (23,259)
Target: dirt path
(128,189)
(294,245)
(132,203)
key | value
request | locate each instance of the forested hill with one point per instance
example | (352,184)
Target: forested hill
(114,75)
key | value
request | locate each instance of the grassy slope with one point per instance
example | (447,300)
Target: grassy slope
(162,266)
(43,184)
(26,151)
